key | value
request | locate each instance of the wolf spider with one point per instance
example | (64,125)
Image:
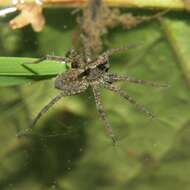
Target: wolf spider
(86,73)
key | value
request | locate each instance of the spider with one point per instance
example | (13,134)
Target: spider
(87,73)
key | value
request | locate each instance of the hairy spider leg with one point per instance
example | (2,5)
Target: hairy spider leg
(102,114)
(104,57)
(120,49)
(50,57)
(75,59)
(122,93)
(47,107)
(42,112)
(115,78)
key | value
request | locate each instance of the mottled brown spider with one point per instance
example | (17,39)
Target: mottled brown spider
(86,73)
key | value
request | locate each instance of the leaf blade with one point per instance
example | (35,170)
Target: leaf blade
(13,66)
(13,71)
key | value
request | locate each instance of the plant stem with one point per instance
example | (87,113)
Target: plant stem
(158,4)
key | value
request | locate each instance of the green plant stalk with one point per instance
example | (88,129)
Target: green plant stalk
(176,32)
(159,4)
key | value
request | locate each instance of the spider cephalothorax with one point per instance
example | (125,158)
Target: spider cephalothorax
(86,73)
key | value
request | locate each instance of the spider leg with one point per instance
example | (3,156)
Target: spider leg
(124,48)
(103,114)
(50,57)
(47,107)
(115,78)
(129,98)
(74,58)
(104,57)
(42,112)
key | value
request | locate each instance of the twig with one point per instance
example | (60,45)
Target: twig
(158,4)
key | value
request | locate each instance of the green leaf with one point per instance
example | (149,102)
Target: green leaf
(15,71)
(11,81)
(14,66)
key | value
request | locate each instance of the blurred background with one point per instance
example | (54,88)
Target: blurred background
(69,149)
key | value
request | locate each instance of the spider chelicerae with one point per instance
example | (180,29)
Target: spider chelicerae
(87,73)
